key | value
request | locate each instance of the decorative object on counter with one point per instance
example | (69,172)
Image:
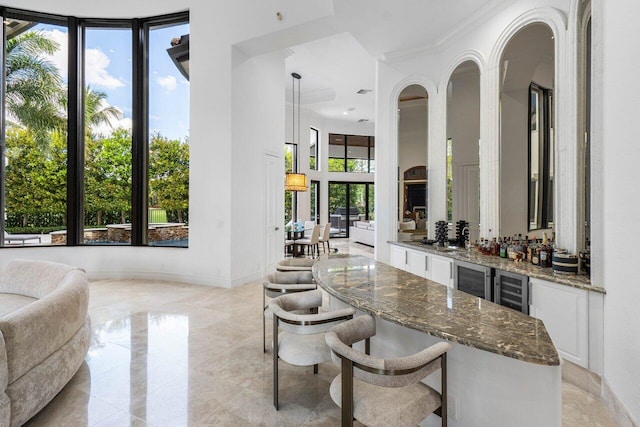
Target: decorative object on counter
(462,233)
(585,262)
(426,241)
(442,233)
(564,262)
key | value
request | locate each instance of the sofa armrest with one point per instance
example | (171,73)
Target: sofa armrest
(34,332)
(4,373)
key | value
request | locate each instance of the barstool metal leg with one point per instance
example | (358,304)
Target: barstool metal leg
(347,393)
(275,362)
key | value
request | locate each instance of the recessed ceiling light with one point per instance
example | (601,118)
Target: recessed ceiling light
(364,91)
(363,120)
(345,113)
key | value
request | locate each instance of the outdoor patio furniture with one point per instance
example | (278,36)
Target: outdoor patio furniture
(21,238)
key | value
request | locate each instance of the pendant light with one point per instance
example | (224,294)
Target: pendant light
(295,181)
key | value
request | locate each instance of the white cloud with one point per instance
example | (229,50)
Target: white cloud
(106,130)
(60,57)
(96,74)
(96,63)
(168,83)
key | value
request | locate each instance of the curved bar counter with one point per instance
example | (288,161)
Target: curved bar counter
(503,367)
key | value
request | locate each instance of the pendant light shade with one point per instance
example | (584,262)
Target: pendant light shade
(295,182)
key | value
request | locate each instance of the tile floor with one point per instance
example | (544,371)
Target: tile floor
(170,354)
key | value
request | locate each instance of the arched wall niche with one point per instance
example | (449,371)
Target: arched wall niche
(461,97)
(413,142)
(432,112)
(565,126)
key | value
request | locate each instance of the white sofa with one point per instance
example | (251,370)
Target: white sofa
(44,334)
(363,232)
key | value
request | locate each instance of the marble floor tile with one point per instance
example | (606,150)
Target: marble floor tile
(170,354)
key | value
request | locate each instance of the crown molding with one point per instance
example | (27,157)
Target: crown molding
(466,26)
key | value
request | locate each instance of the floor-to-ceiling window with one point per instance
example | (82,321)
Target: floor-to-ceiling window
(315,201)
(349,202)
(168,121)
(34,134)
(94,131)
(107,137)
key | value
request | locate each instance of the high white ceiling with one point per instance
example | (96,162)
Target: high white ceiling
(334,68)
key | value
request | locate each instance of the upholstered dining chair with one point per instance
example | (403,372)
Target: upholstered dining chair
(311,243)
(280,283)
(301,341)
(308,228)
(384,392)
(325,237)
(288,244)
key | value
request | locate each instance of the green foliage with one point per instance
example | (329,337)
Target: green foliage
(34,89)
(336,164)
(35,179)
(169,174)
(34,230)
(108,174)
(36,150)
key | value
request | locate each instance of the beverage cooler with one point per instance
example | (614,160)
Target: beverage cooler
(512,290)
(502,287)
(473,279)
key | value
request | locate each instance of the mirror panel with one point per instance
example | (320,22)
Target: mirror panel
(526,132)
(463,147)
(412,156)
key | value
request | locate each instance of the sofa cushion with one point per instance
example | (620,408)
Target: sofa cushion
(33,278)
(12,302)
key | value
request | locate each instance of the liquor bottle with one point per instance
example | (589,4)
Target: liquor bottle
(496,247)
(545,258)
(503,248)
(525,248)
(535,255)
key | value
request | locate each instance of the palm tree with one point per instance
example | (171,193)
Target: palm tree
(97,111)
(34,89)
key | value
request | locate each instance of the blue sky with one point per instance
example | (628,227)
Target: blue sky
(108,69)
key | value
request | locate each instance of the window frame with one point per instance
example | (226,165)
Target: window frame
(345,159)
(75,113)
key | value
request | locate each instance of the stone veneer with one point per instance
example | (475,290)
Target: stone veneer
(121,233)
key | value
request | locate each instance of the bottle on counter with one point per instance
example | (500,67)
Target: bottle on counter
(545,252)
(535,254)
(503,248)
(525,248)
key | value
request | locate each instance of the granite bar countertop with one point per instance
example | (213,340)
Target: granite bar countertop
(580,281)
(409,300)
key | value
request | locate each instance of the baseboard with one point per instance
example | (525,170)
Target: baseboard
(582,378)
(616,407)
(246,279)
(192,279)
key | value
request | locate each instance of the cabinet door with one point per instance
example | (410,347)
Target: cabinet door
(441,270)
(563,310)
(399,258)
(419,263)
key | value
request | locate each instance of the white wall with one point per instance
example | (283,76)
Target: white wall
(257,118)
(617,145)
